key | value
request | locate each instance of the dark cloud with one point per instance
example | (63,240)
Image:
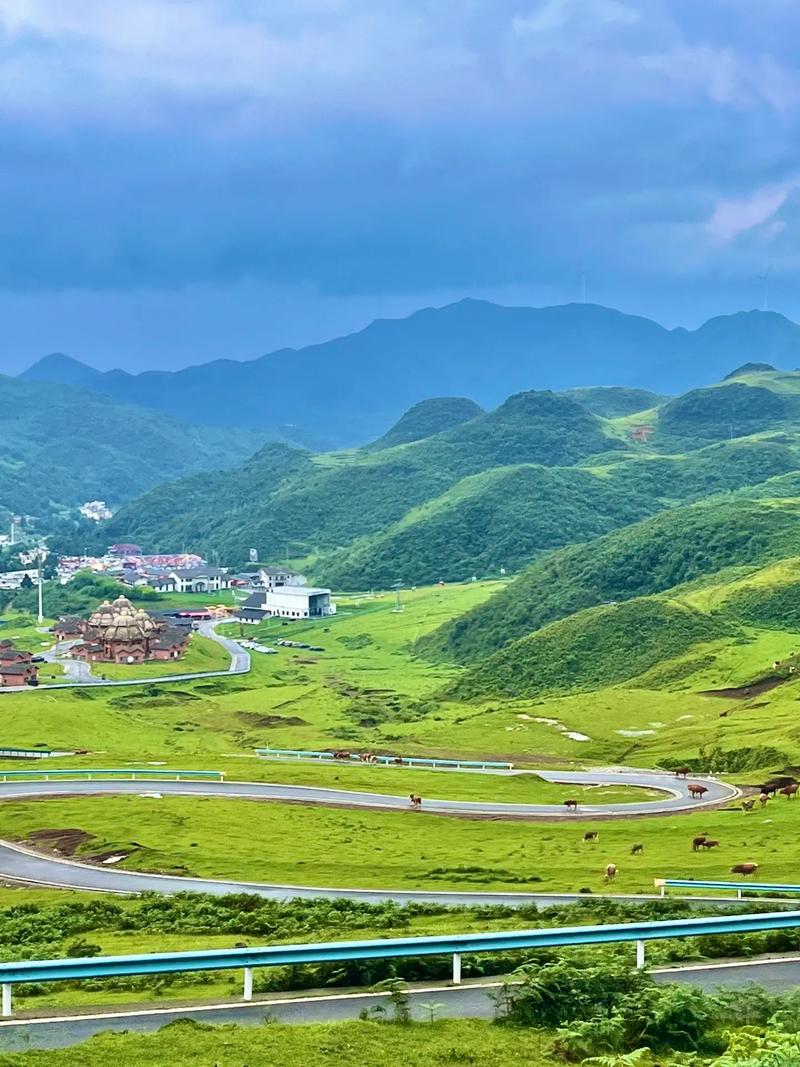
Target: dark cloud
(359,152)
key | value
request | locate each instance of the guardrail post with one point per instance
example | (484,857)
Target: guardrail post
(639,955)
(248,984)
(456,968)
(738,894)
(6,999)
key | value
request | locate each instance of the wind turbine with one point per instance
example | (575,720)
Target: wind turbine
(765,279)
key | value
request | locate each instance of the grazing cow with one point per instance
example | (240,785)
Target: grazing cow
(571,805)
(682,772)
(709,844)
(611,872)
(637,850)
(416,801)
(763,799)
(592,835)
(696,790)
(790,791)
(744,868)
(698,842)
(748,805)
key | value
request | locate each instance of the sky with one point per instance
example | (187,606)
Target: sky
(182,180)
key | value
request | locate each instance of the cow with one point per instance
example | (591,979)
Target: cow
(790,790)
(763,799)
(697,791)
(611,872)
(416,801)
(698,842)
(592,835)
(637,850)
(748,805)
(709,844)
(744,868)
(682,772)
(571,805)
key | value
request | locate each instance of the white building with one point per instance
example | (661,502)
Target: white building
(199,579)
(298,602)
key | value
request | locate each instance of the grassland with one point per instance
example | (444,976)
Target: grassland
(305,845)
(343,1044)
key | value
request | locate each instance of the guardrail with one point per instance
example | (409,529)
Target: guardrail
(121,772)
(390,761)
(388,948)
(751,887)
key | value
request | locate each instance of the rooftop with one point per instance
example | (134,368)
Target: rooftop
(298,590)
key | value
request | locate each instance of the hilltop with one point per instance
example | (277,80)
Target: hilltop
(354,387)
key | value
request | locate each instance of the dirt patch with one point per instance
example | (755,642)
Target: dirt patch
(66,841)
(741,692)
(252,718)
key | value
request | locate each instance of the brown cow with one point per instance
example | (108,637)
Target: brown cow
(571,805)
(744,868)
(696,790)
(698,842)
(592,835)
(416,801)
(637,850)
(763,799)
(709,844)
(747,805)
(611,872)
(790,790)
(682,772)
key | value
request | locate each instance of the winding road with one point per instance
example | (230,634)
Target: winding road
(25,865)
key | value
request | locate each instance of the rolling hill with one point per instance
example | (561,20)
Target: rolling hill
(348,390)
(61,445)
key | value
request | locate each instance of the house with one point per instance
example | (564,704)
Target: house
(275,577)
(251,615)
(200,579)
(16,674)
(298,602)
(163,583)
(121,633)
(67,627)
(12,656)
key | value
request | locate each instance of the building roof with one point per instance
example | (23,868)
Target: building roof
(16,668)
(198,572)
(275,571)
(251,613)
(298,590)
(255,600)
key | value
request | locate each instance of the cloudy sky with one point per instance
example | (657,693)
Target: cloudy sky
(187,179)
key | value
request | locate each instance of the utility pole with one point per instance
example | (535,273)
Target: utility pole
(41,606)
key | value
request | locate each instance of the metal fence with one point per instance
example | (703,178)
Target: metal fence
(389,948)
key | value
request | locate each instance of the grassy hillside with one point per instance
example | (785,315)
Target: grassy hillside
(426,419)
(648,557)
(499,519)
(591,649)
(327,501)
(614,400)
(61,445)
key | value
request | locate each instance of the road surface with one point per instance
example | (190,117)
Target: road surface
(28,866)
(472,1000)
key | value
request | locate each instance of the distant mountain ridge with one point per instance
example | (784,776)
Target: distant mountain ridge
(350,389)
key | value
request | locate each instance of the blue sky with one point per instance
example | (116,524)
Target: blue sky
(188,179)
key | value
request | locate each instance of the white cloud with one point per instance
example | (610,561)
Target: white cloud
(737,215)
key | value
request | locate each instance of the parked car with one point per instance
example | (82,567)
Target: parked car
(315,648)
(37,659)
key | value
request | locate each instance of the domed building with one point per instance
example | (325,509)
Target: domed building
(118,632)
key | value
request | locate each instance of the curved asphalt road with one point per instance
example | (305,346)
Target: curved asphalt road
(26,865)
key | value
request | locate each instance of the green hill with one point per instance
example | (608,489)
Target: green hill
(427,418)
(648,557)
(614,400)
(330,500)
(501,518)
(591,649)
(61,445)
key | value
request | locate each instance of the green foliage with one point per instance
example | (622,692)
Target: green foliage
(426,419)
(81,595)
(733,409)
(613,401)
(775,607)
(61,445)
(591,649)
(648,557)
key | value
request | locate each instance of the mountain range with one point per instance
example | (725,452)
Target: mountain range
(348,390)
(472,492)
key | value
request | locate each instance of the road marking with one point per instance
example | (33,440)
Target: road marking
(725,966)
